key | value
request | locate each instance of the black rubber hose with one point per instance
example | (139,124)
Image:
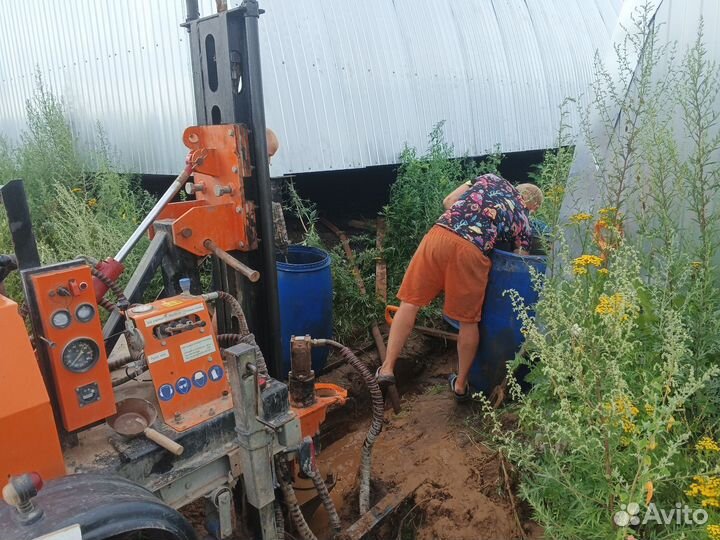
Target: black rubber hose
(279,521)
(328,503)
(236,309)
(107,305)
(228,340)
(130,375)
(110,284)
(296,515)
(378,408)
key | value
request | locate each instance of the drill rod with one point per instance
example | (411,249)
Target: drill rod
(232,262)
(169,195)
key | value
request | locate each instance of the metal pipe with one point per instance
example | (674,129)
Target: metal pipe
(264,189)
(18,215)
(232,262)
(169,195)
(192,11)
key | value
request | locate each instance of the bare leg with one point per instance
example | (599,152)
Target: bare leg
(468,340)
(402,325)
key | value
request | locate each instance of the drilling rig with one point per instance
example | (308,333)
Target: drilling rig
(109,446)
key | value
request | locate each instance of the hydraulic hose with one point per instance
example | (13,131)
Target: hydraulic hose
(228,340)
(378,408)
(328,503)
(109,283)
(279,521)
(236,309)
(291,501)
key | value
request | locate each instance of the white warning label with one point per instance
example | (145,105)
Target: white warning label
(196,349)
(161,355)
(72,532)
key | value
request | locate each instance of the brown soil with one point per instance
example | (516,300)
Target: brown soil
(431,439)
(463,496)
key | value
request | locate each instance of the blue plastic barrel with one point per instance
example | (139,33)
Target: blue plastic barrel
(306,300)
(500,336)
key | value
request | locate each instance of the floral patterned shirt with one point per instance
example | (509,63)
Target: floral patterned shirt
(489,211)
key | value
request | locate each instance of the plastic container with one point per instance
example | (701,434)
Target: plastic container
(306,300)
(500,337)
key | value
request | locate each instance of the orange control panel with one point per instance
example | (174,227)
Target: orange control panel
(184,359)
(67,326)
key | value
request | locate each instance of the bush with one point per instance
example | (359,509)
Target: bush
(625,347)
(79,204)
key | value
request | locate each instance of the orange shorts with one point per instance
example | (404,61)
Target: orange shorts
(444,261)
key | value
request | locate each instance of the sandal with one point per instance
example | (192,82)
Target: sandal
(460,398)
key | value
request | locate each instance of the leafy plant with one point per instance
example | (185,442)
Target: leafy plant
(80,205)
(625,347)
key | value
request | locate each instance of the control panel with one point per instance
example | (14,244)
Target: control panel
(184,359)
(69,332)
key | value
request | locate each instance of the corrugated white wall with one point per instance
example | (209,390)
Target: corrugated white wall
(677,23)
(347,84)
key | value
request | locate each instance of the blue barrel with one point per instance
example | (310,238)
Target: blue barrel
(500,336)
(306,300)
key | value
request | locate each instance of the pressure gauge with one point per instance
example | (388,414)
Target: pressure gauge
(80,355)
(61,318)
(85,312)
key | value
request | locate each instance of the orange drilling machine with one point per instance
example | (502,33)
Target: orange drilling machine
(107,441)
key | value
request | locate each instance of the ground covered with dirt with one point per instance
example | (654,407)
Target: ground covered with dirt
(431,450)
(433,443)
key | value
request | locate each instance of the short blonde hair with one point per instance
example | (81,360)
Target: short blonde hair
(531,195)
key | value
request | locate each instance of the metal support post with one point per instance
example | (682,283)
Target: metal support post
(255,439)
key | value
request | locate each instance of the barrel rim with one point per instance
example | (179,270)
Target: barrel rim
(527,258)
(323,262)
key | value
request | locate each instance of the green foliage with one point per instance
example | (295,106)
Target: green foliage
(79,204)
(552,174)
(625,347)
(353,312)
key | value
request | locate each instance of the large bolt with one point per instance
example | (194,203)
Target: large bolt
(191,188)
(186,232)
(223,190)
(235,169)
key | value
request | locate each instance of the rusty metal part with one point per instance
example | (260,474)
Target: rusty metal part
(380,263)
(374,330)
(370,521)
(301,378)
(134,417)
(232,262)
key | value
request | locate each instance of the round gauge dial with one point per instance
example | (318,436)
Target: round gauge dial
(80,355)
(85,312)
(61,318)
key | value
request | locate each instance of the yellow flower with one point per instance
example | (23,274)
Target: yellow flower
(624,441)
(713,532)
(580,217)
(706,488)
(76,190)
(608,211)
(609,305)
(603,271)
(707,444)
(649,409)
(670,423)
(92,202)
(581,264)
(628,426)
(652,445)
